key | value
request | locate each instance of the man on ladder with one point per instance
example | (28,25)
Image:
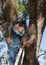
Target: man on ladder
(17,33)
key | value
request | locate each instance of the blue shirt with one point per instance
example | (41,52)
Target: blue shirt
(16,38)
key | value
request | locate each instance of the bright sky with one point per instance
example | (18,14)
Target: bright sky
(43,43)
(43,46)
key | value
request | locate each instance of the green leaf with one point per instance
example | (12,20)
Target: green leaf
(44,63)
(22,7)
(0,37)
(40,49)
(44,57)
(45,51)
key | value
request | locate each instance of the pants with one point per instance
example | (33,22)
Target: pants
(12,55)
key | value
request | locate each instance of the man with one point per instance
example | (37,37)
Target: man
(17,33)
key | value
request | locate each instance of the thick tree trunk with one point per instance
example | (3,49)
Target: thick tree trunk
(30,39)
(34,34)
(9,9)
(40,23)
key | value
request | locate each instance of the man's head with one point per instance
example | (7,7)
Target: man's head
(18,27)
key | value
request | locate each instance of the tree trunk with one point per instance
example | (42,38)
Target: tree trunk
(30,39)
(34,34)
(40,22)
(9,9)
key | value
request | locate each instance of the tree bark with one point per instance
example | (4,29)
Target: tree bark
(34,34)
(9,13)
(9,10)
(30,38)
(40,22)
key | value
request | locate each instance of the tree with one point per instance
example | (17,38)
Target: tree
(9,9)
(33,35)
(38,21)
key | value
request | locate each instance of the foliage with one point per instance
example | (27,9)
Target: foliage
(0,37)
(22,7)
(40,49)
(45,51)
(44,57)
(44,63)
(3,51)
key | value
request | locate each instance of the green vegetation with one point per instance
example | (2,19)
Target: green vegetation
(22,7)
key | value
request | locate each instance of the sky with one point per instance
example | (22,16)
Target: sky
(43,46)
(43,43)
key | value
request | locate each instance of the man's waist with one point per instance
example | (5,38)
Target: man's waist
(15,45)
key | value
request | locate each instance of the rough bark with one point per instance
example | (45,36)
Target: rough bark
(30,38)
(40,22)
(9,10)
(33,35)
(29,42)
(9,13)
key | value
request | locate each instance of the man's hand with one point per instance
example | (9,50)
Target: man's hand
(8,40)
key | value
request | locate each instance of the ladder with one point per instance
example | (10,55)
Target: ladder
(20,57)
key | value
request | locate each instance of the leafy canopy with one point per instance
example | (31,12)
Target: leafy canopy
(22,7)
